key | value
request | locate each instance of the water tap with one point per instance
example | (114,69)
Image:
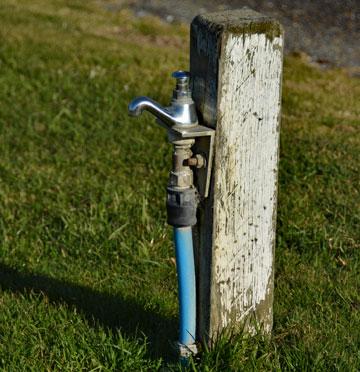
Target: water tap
(181,110)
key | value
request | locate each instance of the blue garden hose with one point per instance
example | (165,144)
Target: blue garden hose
(186,281)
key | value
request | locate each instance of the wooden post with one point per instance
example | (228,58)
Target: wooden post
(236,67)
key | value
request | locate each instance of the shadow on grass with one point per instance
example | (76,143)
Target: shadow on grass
(108,310)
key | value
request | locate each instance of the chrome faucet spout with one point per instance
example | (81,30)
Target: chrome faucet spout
(139,104)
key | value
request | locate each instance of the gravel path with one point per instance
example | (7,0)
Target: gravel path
(327,30)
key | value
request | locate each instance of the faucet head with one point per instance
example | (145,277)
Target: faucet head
(181,111)
(182,89)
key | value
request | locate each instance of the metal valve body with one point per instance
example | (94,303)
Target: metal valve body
(182,197)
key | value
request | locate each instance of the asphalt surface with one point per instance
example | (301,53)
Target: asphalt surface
(328,31)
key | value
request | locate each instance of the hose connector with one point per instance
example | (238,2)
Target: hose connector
(182,197)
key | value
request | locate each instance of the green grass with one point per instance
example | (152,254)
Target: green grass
(87,276)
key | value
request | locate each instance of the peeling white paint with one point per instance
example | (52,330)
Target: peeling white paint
(246,162)
(236,72)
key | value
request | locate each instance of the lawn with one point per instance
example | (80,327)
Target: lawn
(87,275)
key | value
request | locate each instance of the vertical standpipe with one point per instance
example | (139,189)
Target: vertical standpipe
(181,207)
(180,119)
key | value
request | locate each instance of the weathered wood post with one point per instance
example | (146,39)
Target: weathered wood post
(236,67)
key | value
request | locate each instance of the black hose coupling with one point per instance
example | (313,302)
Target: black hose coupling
(181,206)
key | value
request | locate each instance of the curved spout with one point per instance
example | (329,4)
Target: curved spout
(182,113)
(139,104)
